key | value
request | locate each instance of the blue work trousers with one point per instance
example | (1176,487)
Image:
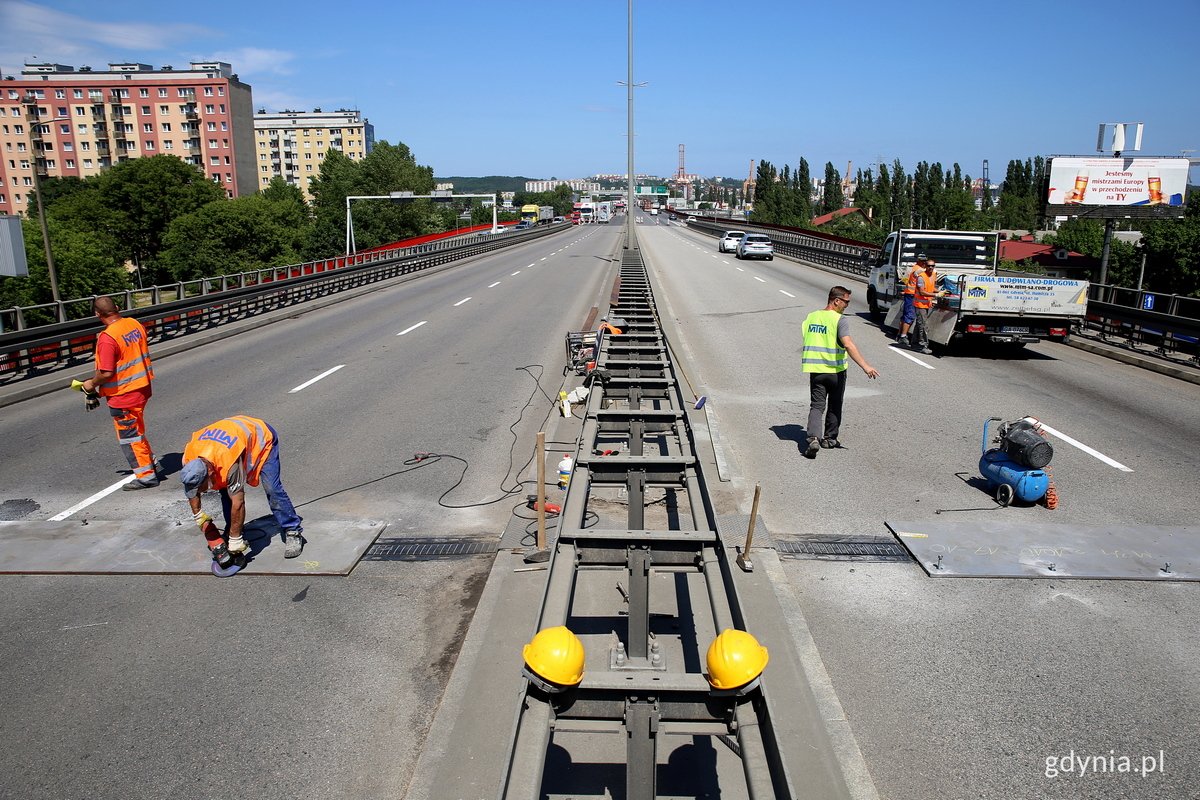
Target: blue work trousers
(281,505)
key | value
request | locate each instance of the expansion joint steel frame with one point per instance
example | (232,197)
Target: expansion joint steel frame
(644,679)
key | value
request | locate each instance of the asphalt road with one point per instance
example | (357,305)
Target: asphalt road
(193,687)
(149,687)
(956,688)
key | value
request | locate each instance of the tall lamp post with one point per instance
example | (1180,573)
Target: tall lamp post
(35,139)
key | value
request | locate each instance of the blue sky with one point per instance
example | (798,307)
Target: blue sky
(479,88)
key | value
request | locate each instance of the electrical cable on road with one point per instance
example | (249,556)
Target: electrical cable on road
(423,459)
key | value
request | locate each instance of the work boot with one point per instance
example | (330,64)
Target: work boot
(830,444)
(293,543)
(814,445)
(136,484)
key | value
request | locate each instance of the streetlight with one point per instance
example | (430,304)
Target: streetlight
(35,123)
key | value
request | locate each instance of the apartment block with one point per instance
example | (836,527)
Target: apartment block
(76,123)
(292,144)
(576,185)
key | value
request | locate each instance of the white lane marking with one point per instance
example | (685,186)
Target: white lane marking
(460,302)
(78,627)
(100,495)
(760,280)
(911,357)
(308,383)
(493,285)
(723,261)
(789,294)
(1085,448)
(530,265)
(739,269)
(412,328)
(515,274)
(542,259)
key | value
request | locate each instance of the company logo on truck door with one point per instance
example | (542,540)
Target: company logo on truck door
(977,292)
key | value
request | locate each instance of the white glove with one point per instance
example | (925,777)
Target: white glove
(202,520)
(238,545)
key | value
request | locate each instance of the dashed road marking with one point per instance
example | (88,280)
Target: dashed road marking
(412,328)
(311,381)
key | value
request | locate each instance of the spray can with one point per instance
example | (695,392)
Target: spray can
(564,470)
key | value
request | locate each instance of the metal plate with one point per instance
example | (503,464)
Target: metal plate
(429,549)
(842,550)
(1025,550)
(101,547)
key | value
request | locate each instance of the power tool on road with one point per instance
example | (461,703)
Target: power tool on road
(1018,468)
(228,558)
(91,400)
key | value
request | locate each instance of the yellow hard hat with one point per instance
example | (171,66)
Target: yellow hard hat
(556,655)
(734,659)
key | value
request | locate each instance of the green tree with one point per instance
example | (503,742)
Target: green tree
(804,187)
(832,198)
(241,235)
(149,193)
(1172,250)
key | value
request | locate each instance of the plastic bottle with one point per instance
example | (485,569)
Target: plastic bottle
(564,471)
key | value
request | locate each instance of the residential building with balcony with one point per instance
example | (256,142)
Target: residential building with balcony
(292,144)
(76,123)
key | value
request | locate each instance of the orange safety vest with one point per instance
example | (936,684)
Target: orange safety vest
(227,441)
(604,326)
(133,358)
(927,287)
(910,285)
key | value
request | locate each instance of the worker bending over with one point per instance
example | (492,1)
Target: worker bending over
(227,456)
(123,376)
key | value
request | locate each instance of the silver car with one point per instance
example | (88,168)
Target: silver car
(729,242)
(756,245)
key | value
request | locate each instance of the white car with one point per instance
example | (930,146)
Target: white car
(729,241)
(756,245)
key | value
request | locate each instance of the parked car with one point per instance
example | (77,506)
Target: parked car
(729,242)
(756,245)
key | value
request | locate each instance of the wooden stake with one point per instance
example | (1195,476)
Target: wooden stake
(541,492)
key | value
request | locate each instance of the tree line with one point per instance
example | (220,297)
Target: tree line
(936,197)
(157,220)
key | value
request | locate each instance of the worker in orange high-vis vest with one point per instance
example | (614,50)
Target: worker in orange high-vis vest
(123,377)
(908,313)
(924,282)
(227,456)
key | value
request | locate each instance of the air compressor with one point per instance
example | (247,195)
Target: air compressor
(1017,467)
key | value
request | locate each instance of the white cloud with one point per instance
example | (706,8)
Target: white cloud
(32,32)
(250,61)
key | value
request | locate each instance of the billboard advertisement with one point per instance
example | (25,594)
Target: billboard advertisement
(1118,181)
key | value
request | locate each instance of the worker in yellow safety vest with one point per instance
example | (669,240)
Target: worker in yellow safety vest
(826,344)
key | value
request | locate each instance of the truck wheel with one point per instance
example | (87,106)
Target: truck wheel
(873,306)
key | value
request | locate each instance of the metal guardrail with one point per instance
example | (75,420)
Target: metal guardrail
(828,251)
(14,319)
(35,350)
(1126,316)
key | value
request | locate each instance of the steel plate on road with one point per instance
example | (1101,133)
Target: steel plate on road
(1026,550)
